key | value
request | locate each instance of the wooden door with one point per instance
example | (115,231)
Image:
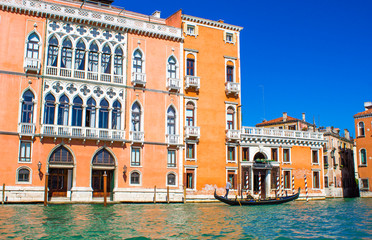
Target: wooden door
(57,182)
(97,182)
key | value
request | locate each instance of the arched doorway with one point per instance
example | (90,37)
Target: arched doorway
(103,162)
(60,172)
(258,170)
(259,156)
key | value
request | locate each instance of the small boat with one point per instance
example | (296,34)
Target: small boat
(270,201)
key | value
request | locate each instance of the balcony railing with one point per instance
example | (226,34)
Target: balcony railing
(82,132)
(136,136)
(232,88)
(192,82)
(232,135)
(83,75)
(269,132)
(32,65)
(26,129)
(138,78)
(172,139)
(192,132)
(173,84)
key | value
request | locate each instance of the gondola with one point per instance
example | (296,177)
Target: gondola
(244,202)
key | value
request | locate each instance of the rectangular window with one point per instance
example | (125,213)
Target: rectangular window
(171,158)
(245,153)
(293,127)
(230,73)
(315,156)
(190,151)
(274,154)
(231,177)
(364,184)
(316,178)
(190,30)
(325,161)
(190,175)
(287,179)
(136,157)
(229,37)
(286,157)
(231,153)
(190,67)
(325,181)
(25,151)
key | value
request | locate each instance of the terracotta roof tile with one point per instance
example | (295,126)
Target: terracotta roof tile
(277,120)
(367,112)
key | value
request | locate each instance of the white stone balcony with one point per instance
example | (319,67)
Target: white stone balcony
(232,88)
(26,129)
(139,79)
(173,84)
(281,133)
(82,132)
(136,136)
(192,82)
(83,75)
(232,135)
(32,65)
(192,132)
(172,139)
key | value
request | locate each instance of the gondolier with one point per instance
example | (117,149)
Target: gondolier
(228,186)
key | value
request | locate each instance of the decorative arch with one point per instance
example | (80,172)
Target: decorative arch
(171,120)
(171,179)
(32,45)
(172,66)
(61,155)
(135,178)
(113,162)
(24,175)
(259,156)
(136,117)
(138,60)
(27,106)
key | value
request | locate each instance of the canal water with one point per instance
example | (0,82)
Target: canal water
(329,219)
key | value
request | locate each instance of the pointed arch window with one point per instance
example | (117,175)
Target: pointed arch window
(363,157)
(116,115)
(171,121)
(61,156)
(27,107)
(118,61)
(103,114)
(77,111)
(63,110)
(90,113)
(49,109)
(93,58)
(103,157)
(33,46)
(190,114)
(80,55)
(361,129)
(106,60)
(137,61)
(52,52)
(230,118)
(172,67)
(136,117)
(66,58)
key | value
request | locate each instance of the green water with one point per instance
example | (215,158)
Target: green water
(331,219)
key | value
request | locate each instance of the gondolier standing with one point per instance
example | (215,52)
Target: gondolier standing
(228,186)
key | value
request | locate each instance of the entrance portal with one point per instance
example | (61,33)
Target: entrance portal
(256,182)
(97,182)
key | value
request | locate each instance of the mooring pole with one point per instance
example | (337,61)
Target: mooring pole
(46,189)
(155,194)
(184,194)
(104,189)
(2,201)
(168,194)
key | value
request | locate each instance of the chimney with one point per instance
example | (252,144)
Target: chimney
(367,105)
(347,134)
(156,14)
(303,117)
(221,21)
(284,116)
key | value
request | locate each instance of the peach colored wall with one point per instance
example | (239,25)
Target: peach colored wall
(364,143)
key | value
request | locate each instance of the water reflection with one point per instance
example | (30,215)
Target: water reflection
(341,219)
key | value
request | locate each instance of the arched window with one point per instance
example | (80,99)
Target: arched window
(52,52)
(23,175)
(361,128)
(77,111)
(171,121)
(171,179)
(49,109)
(363,157)
(90,113)
(230,119)
(103,114)
(190,65)
(93,58)
(103,157)
(66,58)
(135,178)
(136,117)
(27,107)
(63,110)
(172,67)
(190,114)
(230,72)
(106,60)
(116,115)
(118,61)
(137,61)
(80,55)
(61,156)
(33,46)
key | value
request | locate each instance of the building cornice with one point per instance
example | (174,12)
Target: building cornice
(211,23)
(363,116)
(84,16)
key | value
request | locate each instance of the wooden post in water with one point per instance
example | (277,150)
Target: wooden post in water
(105,189)
(46,189)
(184,194)
(168,194)
(2,201)
(155,194)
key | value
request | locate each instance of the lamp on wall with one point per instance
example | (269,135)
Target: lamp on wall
(125,169)
(39,166)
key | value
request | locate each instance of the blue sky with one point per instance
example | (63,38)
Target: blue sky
(305,56)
